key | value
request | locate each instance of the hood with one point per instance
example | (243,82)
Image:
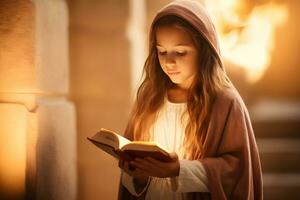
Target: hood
(195,14)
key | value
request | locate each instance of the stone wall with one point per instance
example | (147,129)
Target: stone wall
(100,88)
(37,120)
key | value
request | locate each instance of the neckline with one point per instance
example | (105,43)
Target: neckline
(168,101)
(174,103)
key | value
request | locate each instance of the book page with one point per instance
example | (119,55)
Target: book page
(106,148)
(145,146)
(107,137)
(110,138)
(122,141)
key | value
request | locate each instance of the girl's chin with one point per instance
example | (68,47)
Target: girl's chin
(176,81)
(179,83)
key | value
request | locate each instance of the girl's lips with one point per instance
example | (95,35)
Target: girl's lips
(173,73)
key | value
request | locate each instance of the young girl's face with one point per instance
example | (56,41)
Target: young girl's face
(177,54)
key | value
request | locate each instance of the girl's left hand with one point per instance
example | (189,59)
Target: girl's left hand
(156,168)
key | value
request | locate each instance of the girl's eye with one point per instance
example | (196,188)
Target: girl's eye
(162,53)
(178,53)
(181,53)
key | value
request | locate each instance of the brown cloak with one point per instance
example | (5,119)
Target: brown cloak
(231,156)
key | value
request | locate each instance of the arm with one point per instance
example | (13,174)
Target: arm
(183,175)
(232,159)
(192,177)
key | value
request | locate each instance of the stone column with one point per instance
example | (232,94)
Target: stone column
(37,121)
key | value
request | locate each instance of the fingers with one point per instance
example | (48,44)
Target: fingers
(121,163)
(143,164)
(127,170)
(151,167)
(153,161)
(161,169)
(174,156)
(133,172)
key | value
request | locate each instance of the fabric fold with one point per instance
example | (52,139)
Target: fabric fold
(127,181)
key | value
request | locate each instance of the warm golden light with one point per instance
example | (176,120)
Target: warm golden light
(247,32)
(13,129)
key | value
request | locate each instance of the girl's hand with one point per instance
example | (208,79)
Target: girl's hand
(136,173)
(152,167)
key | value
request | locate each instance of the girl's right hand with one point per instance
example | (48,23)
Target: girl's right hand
(140,177)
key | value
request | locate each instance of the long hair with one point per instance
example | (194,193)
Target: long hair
(209,79)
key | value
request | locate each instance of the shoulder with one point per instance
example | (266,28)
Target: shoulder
(229,98)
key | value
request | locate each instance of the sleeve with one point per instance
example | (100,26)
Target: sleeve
(192,177)
(127,182)
(232,164)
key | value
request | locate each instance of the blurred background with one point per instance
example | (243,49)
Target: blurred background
(70,67)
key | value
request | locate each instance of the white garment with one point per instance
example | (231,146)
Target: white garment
(168,131)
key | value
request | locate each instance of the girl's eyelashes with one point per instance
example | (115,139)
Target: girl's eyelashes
(180,53)
(177,53)
(162,53)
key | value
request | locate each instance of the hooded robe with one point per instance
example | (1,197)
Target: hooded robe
(230,154)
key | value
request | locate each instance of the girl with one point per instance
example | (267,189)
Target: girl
(187,103)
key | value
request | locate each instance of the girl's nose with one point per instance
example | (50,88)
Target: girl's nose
(170,61)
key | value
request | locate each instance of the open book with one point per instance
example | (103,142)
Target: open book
(122,148)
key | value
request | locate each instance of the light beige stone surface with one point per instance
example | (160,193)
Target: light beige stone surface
(100,88)
(38,122)
(34,47)
(56,149)
(17,46)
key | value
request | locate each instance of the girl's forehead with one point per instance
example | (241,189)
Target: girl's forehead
(173,35)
